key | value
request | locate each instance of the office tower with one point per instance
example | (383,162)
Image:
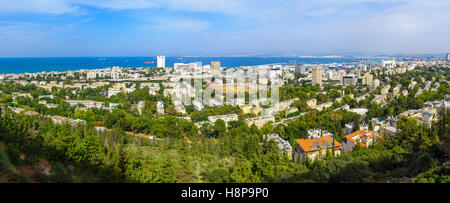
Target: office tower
(300,68)
(448,57)
(349,80)
(317,75)
(215,65)
(161,61)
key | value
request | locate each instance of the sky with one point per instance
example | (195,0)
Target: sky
(65,28)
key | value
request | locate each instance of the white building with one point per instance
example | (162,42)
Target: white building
(179,107)
(180,66)
(91,75)
(86,103)
(385,89)
(227,118)
(139,107)
(387,63)
(113,91)
(161,61)
(379,99)
(375,83)
(312,103)
(318,133)
(300,68)
(115,72)
(198,105)
(283,145)
(160,107)
(396,90)
(360,111)
(115,75)
(361,137)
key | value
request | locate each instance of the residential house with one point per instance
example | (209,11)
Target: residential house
(316,148)
(361,137)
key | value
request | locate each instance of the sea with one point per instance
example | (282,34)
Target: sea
(39,64)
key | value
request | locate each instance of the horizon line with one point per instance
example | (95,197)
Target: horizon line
(248,55)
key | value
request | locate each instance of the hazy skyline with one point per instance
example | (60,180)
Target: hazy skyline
(222,27)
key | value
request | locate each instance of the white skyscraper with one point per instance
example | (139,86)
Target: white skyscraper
(161,61)
(448,57)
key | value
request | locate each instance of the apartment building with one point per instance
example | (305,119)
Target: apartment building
(367,79)
(311,103)
(227,118)
(314,149)
(379,99)
(283,145)
(179,107)
(86,103)
(385,89)
(318,133)
(361,137)
(246,109)
(260,121)
(396,90)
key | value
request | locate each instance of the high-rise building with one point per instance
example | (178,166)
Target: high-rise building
(317,75)
(115,72)
(329,75)
(161,61)
(300,68)
(448,57)
(349,80)
(367,79)
(215,65)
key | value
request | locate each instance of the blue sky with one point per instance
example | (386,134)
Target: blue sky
(42,28)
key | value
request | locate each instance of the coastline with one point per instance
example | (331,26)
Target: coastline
(61,64)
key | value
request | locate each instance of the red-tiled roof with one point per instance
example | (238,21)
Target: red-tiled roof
(308,145)
(364,135)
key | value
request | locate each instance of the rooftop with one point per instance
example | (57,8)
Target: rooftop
(361,136)
(311,145)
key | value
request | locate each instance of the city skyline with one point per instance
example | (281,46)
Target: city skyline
(64,28)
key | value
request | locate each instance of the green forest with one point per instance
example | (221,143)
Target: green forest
(33,149)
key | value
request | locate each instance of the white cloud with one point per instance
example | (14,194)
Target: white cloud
(255,25)
(79,23)
(174,24)
(221,6)
(73,6)
(121,4)
(38,6)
